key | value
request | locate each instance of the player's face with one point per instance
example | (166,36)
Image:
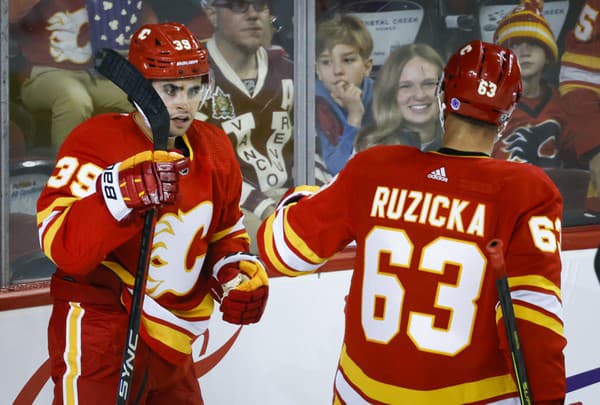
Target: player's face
(342,64)
(245,30)
(531,58)
(182,98)
(416,92)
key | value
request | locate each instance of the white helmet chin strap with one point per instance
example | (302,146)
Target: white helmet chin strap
(504,123)
(208,88)
(501,129)
(441,104)
(137,107)
(442,109)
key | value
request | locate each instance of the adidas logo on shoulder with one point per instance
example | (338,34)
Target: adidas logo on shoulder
(438,174)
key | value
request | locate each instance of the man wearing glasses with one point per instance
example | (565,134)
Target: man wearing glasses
(252,101)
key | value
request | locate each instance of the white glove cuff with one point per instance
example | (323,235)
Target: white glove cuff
(113,198)
(233,258)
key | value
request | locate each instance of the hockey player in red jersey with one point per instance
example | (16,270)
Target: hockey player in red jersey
(93,236)
(422,320)
(580,92)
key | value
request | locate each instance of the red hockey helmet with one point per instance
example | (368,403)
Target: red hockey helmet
(167,51)
(482,81)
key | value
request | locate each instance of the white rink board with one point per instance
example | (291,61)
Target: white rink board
(581,301)
(23,349)
(291,356)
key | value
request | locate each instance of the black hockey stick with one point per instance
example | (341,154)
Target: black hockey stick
(496,257)
(597,263)
(140,91)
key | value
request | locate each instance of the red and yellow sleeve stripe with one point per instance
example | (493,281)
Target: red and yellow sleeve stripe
(285,250)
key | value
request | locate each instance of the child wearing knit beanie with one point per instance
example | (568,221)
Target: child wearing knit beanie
(527,24)
(535,130)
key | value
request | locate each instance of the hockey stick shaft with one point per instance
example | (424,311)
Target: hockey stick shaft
(135,313)
(118,70)
(494,249)
(597,263)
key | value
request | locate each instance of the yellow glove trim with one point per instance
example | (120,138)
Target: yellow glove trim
(150,156)
(257,274)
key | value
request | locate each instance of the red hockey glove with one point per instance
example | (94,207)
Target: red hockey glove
(142,181)
(241,285)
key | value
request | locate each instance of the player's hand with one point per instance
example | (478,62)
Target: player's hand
(241,285)
(143,181)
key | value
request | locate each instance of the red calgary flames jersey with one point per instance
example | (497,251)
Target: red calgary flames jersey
(89,246)
(579,84)
(579,62)
(57,33)
(535,131)
(422,323)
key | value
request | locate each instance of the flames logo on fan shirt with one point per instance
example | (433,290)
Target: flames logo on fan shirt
(65,29)
(534,144)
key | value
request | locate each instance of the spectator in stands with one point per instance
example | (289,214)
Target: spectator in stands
(57,40)
(344,88)
(405,109)
(193,15)
(580,93)
(535,130)
(252,102)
